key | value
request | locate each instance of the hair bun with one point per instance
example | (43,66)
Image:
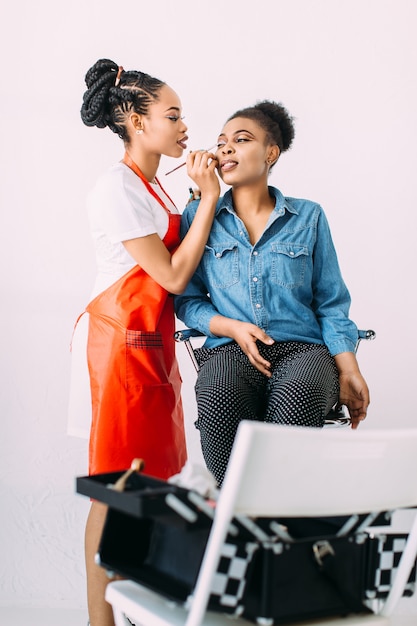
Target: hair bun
(102,68)
(279,115)
(100,78)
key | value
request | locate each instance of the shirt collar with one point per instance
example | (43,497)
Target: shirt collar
(226,203)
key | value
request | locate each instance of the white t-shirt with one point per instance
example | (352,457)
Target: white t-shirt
(119,208)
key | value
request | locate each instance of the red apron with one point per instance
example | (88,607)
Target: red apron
(134,374)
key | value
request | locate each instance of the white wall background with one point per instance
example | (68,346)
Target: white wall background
(346,69)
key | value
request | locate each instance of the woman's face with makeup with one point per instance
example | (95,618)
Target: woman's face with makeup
(164,131)
(242,152)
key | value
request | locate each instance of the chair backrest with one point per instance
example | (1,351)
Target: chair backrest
(293,471)
(301,472)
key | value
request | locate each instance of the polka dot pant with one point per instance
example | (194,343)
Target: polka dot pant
(303,388)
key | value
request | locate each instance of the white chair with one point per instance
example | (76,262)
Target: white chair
(278,471)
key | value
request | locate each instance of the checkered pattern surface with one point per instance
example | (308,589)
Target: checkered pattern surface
(230,579)
(143,340)
(390,549)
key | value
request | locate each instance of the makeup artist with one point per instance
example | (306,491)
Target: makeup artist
(270,296)
(132,386)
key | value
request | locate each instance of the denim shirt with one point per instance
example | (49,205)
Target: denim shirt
(289,283)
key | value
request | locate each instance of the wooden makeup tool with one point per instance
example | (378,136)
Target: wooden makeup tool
(137,465)
(185,162)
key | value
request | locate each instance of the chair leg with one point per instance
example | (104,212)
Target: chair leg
(120,618)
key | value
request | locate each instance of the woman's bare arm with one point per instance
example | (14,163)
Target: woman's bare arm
(174,271)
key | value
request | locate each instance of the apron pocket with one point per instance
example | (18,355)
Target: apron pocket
(145,359)
(143,340)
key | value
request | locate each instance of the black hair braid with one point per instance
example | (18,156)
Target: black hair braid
(99,78)
(103,67)
(108,104)
(274,118)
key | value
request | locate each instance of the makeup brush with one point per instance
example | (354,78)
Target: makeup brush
(185,162)
(137,465)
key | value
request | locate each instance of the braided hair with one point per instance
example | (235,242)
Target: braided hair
(113,94)
(274,119)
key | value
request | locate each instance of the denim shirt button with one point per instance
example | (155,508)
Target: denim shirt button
(257,306)
(255,253)
(218,255)
(291,253)
(255,280)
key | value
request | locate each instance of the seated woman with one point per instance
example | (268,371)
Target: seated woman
(269,295)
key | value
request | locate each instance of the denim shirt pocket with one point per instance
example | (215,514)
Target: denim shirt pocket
(221,263)
(288,264)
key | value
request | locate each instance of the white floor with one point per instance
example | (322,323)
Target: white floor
(10,616)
